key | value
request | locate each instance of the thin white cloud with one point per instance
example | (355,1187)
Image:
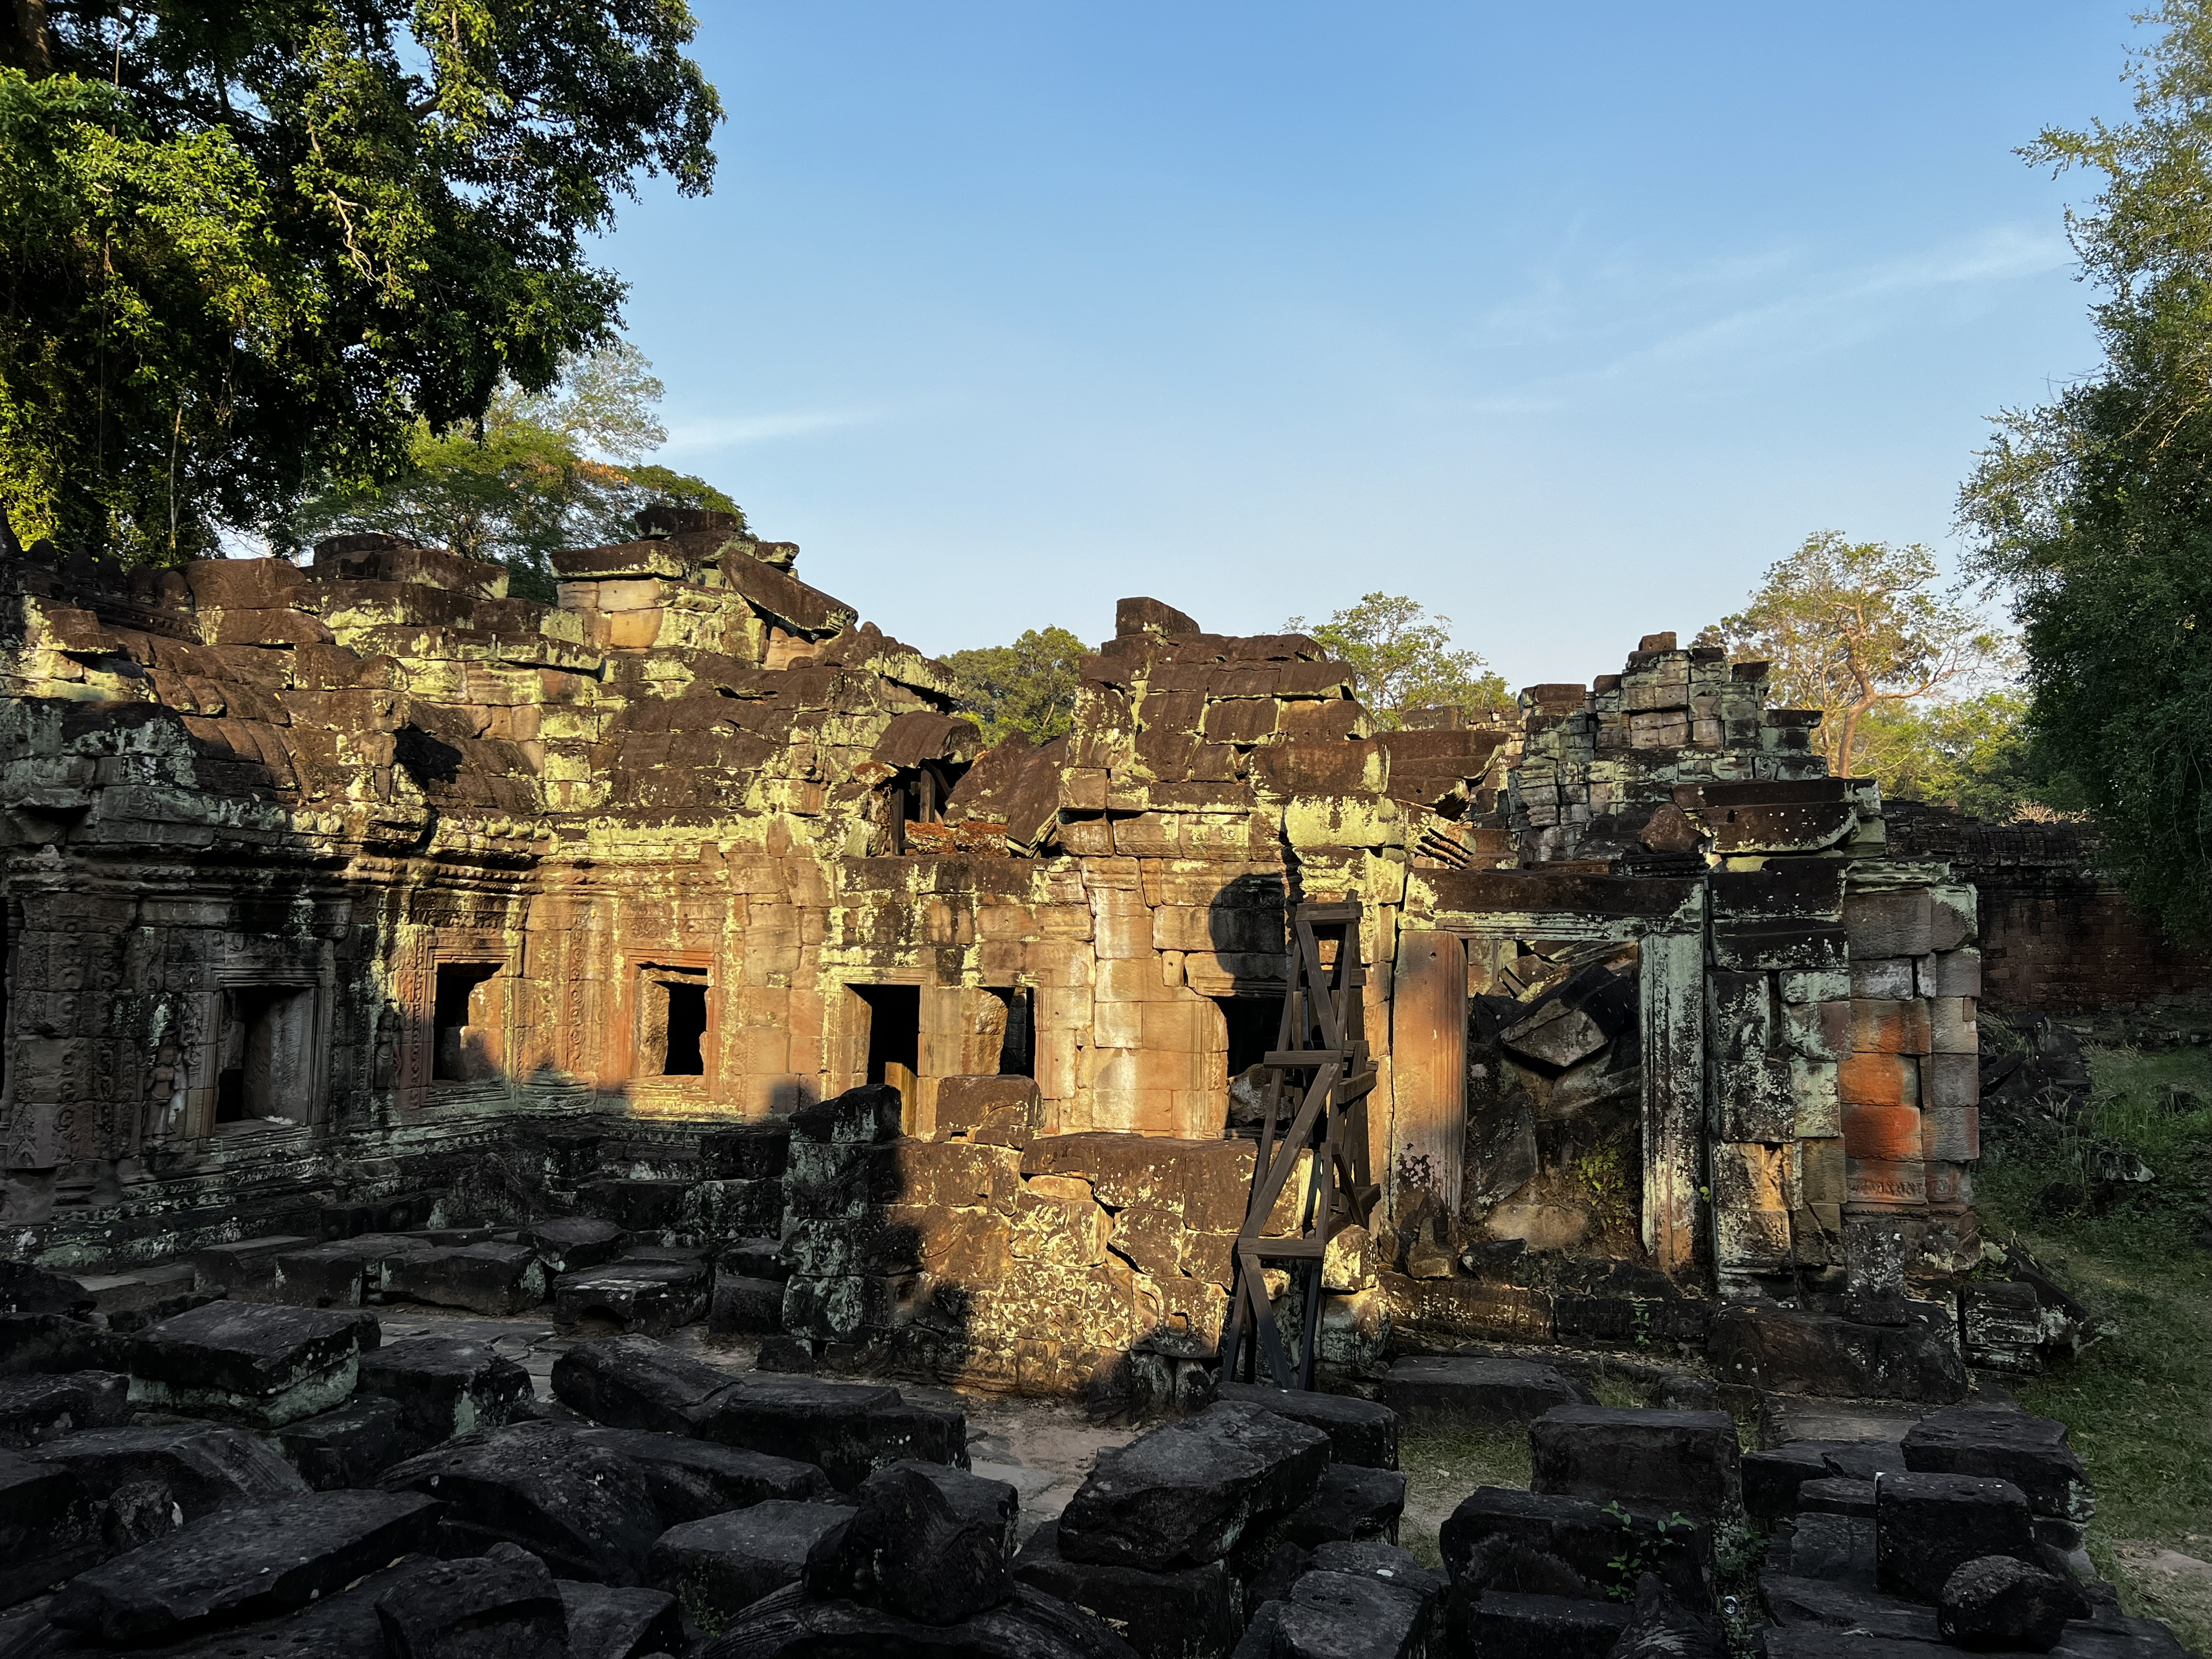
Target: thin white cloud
(735,432)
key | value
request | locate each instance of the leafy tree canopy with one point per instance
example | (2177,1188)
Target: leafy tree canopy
(1853,627)
(2096,507)
(541,472)
(1027,687)
(1401,659)
(249,247)
(1974,755)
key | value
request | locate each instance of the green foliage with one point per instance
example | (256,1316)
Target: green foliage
(1401,659)
(1640,1553)
(1027,687)
(522,484)
(2097,506)
(246,247)
(1974,755)
(1852,627)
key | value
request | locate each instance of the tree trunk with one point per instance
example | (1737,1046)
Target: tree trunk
(24,44)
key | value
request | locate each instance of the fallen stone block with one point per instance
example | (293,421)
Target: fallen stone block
(1028,1624)
(1660,1627)
(146,1482)
(689,1479)
(651,1297)
(343,1273)
(1328,1614)
(637,1382)
(38,1408)
(25,1289)
(1784,1419)
(718,1210)
(719,1566)
(1929,1526)
(1187,1492)
(129,1302)
(1834,1496)
(444,1387)
(641,1207)
(756,1258)
(1359,1431)
(1686,1460)
(743,1306)
(1790,1599)
(2031,1452)
(1997,1604)
(580,1508)
(570,1243)
(251,1363)
(48,1529)
(1178,1613)
(491,1279)
(1787,1351)
(756,1151)
(859,1116)
(1771,1479)
(849,1429)
(610,1622)
(1509,1625)
(39,1344)
(492,1605)
(1476,1393)
(1839,1548)
(1352,1505)
(257,1562)
(927,1543)
(350,1446)
(245,1270)
(1537,1543)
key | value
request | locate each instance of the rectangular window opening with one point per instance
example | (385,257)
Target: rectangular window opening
(460,1019)
(672,1022)
(1018,1050)
(1255,1023)
(262,1063)
(894,1035)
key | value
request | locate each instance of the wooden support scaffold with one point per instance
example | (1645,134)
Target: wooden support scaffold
(1318,1078)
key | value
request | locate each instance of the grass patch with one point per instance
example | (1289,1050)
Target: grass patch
(2135,1403)
(1441,1468)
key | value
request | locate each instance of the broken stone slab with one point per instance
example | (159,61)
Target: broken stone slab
(1514,1625)
(717,1566)
(927,1543)
(1556,1035)
(756,1258)
(1028,1624)
(743,1306)
(1786,1351)
(39,1344)
(1839,1548)
(570,1243)
(245,1270)
(37,1409)
(491,1279)
(1187,1492)
(1790,1599)
(642,1207)
(1784,1419)
(1929,1526)
(1475,1392)
(255,1562)
(689,1479)
(1771,1479)
(1352,1505)
(1359,1431)
(25,1289)
(341,1272)
(582,1510)
(444,1387)
(862,1116)
(606,1621)
(246,1362)
(849,1429)
(1834,1495)
(1502,1540)
(350,1446)
(1343,1615)
(146,1482)
(48,1529)
(492,1605)
(633,1382)
(1178,1613)
(2031,1452)
(1686,1460)
(1997,1604)
(651,1297)
(130,1302)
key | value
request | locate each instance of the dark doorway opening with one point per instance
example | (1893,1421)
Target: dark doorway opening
(687,1029)
(894,1035)
(1255,1023)
(459,1021)
(1018,1052)
(262,1058)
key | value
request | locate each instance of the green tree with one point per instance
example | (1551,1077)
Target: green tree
(1853,627)
(1401,659)
(2096,507)
(1027,687)
(251,248)
(526,481)
(1973,755)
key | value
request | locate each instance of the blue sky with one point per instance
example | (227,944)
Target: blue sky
(1565,321)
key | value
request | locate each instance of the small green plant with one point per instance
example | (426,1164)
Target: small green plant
(1640,1553)
(1639,1314)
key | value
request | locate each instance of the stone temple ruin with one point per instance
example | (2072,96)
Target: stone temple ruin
(676,952)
